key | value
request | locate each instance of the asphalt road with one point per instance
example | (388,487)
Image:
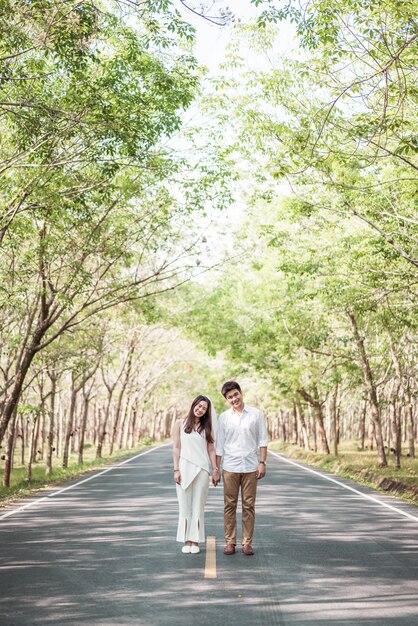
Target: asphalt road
(103,553)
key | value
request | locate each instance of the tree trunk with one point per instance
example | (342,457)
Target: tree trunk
(397,394)
(294,425)
(319,417)
(123,430)
(362,425)
(42,424)
(70,422)
(411,429)
(153,421)
(23,440)
(11,403)
(117,420)
(174,417)
(395,426)
(103,427)
(371,436)
(334,420)
(9,451)
(397,433)
(96,420)
(371,389)
(132,420)
(32,445)
(137,425)
(24,365)
(283,431)
(83,425)
(126,370)
(301,416)
(50,438)
(312,423)
(122,426)
(60,428)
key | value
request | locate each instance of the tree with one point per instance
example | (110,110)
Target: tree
(308,309)
(94,204)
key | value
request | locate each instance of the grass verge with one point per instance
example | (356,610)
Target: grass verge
(361,466)
(20,487)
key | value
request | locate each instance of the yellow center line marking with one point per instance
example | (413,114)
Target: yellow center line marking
(210,564)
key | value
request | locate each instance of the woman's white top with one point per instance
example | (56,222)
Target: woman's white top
(193,455)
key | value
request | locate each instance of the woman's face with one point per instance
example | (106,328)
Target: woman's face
(200,408)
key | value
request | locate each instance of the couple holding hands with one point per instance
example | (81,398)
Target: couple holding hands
(241,431)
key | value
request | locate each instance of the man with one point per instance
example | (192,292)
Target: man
(241,431)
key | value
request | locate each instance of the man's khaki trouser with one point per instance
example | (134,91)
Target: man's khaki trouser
(233,482)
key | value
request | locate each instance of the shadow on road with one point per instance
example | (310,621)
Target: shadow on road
(104,553)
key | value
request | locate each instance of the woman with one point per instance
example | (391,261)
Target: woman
(192,449)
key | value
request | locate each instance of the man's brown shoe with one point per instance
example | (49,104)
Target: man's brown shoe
(247,549)
(229,549)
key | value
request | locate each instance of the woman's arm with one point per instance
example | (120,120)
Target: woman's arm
(176,451)
(219,443)
(215,468)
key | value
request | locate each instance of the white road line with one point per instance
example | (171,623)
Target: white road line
(86,480)
(337,482)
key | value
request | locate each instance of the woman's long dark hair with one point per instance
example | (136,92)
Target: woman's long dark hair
(205,423)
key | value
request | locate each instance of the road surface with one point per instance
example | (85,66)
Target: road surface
(102,552)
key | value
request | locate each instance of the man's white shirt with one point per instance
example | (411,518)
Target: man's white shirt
(238,437)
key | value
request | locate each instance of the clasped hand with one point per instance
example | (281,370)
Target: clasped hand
(216,479)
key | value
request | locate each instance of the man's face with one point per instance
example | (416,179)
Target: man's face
(235,399)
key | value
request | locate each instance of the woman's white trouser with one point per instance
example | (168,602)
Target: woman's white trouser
(192,503)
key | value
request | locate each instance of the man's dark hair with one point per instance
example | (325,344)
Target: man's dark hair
(229,386)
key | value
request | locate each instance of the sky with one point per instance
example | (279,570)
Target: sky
(212,40)
(210,49)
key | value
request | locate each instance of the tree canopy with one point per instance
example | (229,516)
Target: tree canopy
(117,149)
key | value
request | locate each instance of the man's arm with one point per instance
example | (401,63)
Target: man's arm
(262,443)
(261,471)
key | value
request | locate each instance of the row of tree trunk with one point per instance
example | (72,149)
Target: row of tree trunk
(320,426)
(62,428)
(106,404)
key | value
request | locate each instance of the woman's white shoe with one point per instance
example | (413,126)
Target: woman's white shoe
(186,549)
(194,549)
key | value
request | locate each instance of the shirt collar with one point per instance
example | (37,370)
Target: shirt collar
(236,412)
